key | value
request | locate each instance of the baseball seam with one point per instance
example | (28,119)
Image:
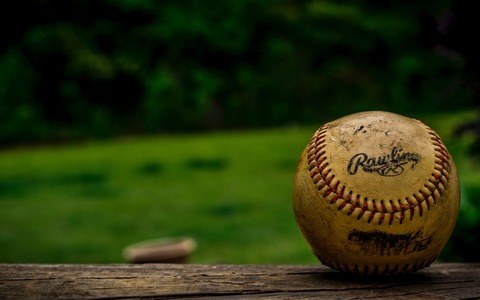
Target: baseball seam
(381,210)
(377,269)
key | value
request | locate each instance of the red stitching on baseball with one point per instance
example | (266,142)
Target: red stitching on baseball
(351,210)
(433,189)
(370,218)
(382,217)
(342,205)
(360,214)
(392,217)
(375,209)
(382,203)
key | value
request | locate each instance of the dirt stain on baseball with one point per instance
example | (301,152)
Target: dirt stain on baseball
(376,242)
(360,129)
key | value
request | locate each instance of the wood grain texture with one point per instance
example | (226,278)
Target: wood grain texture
(171,281)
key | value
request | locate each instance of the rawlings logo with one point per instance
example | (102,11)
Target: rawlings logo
(392,164)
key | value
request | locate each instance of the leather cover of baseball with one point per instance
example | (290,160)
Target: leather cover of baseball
(376,193)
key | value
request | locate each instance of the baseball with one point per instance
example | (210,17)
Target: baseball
(376,193)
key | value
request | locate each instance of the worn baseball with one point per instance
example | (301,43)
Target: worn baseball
(376,193)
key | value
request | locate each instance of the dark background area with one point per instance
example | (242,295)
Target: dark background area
(82,69)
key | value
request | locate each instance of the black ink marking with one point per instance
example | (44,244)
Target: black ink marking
(388,165)
(376,242)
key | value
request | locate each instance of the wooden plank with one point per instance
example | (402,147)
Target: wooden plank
(28,281)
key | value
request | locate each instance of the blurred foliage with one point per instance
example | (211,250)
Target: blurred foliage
(102,68)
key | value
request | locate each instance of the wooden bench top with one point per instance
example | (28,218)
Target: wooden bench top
(173,281)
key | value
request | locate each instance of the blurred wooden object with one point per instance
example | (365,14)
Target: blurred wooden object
(166,250)
(440,281)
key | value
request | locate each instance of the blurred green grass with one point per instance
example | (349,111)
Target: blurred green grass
(231,191)
(84,203)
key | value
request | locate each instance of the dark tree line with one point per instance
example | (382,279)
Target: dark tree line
(100,68)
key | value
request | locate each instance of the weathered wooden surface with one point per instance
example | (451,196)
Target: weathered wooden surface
(440,281)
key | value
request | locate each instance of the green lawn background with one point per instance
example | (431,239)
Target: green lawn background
(231,191)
